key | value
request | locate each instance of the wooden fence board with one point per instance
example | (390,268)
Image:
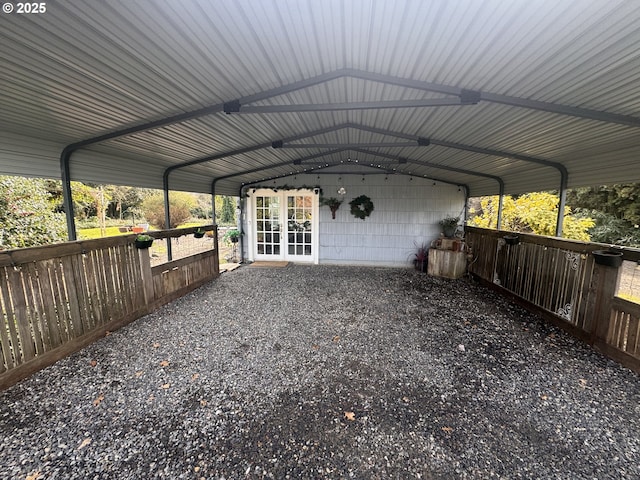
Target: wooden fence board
(92,291)
(632,339)
(97,258)
(62,304)
(114,303)
(72,296)
(48,303)
(561,278)
(80,281)
(124,285)
(8,334)
(56,299)
(35,307)
(27,348)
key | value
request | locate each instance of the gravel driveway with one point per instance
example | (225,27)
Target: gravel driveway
(327,372)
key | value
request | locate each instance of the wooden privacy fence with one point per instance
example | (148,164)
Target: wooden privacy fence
(59,298)
(560,280)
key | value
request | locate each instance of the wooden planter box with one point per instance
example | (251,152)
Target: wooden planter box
(447,263)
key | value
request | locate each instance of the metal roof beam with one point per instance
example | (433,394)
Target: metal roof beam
(432,165)
(275,165)
(67,152)
(383,172)
(326,107)
(564,173)
(497,98)
(349,145)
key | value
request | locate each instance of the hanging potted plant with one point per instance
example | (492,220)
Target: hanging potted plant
(232,236)
(449,226)
(143,241)
(608,258)
(512,239)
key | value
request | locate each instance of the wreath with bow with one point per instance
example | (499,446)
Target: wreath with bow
(361,207)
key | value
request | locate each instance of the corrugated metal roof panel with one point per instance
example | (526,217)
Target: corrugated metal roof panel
(85,69)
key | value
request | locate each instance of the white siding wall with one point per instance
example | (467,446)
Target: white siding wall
(406,213)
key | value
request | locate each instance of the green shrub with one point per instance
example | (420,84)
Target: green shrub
(180,206)
(26,214)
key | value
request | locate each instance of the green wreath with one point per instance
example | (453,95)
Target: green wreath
(361,207)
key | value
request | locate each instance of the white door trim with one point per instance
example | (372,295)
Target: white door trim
(252,231)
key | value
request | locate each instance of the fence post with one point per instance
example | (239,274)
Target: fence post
(147,277)
(216,260)
(606,287)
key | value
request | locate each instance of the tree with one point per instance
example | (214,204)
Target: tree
(180,206)
(532,212)
(228,211)
(203,206)
(616,210)
(612,230)
(125,202)
(27,216)
(620,200)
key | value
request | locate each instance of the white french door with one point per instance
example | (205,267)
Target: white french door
(284,225)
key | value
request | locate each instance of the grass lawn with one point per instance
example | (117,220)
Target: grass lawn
(91,233)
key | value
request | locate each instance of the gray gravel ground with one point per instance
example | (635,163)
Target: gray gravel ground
(327,372)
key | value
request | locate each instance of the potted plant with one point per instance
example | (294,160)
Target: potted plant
(511,239)
(609,258)
(199,233)
(232,235)
(333,204)
(421,258)
(449,226)
(143,241)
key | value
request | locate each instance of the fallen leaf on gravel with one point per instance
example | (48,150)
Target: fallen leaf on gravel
(315,347)
(405,399)
(203,403)
(350,416)
(98,400)
(107,333)
(93,363)
(165,385)
(156,345)
(543,397)
(139,373)
(34,476)
(447,429)
(196,469)
(164,363)
(195,376)
(336,338)
(583,383)
(84,443)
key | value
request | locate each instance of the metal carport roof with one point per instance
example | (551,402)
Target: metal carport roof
(465,91)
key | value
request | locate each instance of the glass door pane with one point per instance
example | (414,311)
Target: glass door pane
(299,225)
(268,234)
